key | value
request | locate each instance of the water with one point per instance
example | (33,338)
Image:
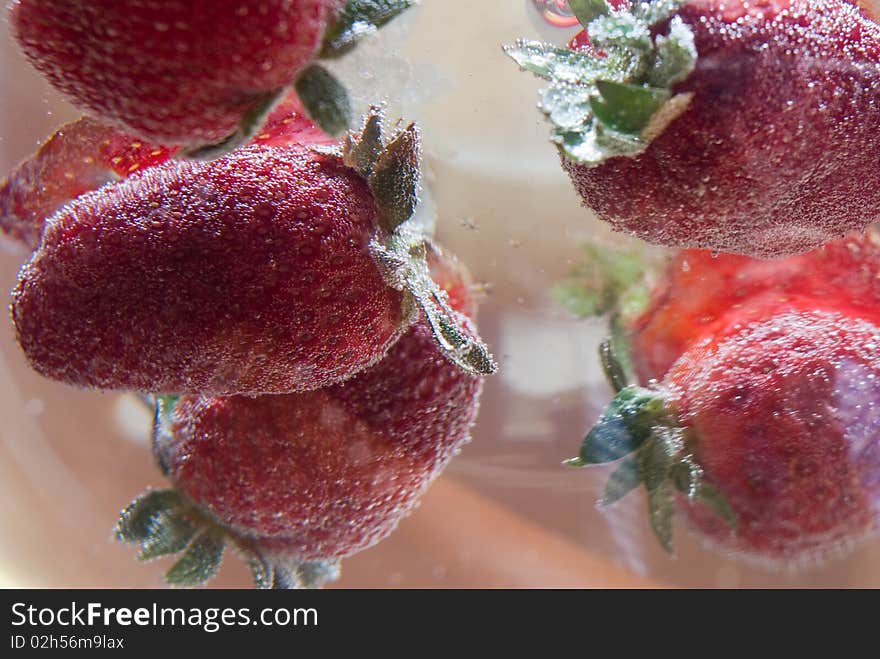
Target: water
(505,512)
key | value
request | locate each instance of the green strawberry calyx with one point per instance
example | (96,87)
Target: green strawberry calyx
(614,98)
(164,523)
(391,168)
(640,429)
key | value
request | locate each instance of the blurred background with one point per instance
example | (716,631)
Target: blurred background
(505,513)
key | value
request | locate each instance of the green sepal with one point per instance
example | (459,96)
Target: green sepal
(623,480)
(640,427)
(624,426)
(161,438)
(689,480)
(360,18)
(403,260)
(362,151)
(586,10)
(136,520)
(626,108)
(200,561)
(676,55)
(400,250)
(324,99)
(655,464)
(596,284)
(169,534)
(394,180)
(557,64)
(248,125)
(601,101)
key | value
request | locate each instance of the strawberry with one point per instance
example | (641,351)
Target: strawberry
(763,423)
(194,73)
(299,481)
(743,127)
(85,154)
(698,294)
(275,269)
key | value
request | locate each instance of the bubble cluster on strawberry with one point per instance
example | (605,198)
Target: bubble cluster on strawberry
(756,415)
(274,269)
(297,482)
(743,127)
(195,73)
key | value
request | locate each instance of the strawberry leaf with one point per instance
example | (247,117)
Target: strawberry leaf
(324,99)
(136,520)
(403,259)
(169,533)
(675,57)
(690,481)
(625,425)
(655,464)
(586,10)
(710,496)
(362,151)
(626,108)
(654,11)
(161,432)
(602,100)
(200,561)
(595,285)
(395,179)
(660,513)
(556,64)
(360,18)
(622,481)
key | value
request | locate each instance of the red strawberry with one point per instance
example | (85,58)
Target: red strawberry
(733,126)
(274,269)
(297,482)
(85,155)
(193,72)
(699,294)
(765,427)
(79,157)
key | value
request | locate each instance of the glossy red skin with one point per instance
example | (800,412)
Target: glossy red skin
(179,72)
(784,413)
(325,474)
(86,154)
(250,274)
(698,294)
(776,153)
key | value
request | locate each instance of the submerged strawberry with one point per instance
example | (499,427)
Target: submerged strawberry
(298,482)
(764,425)
(84,155)
(733,126)
(699,293)
(274,269)
(194,72)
